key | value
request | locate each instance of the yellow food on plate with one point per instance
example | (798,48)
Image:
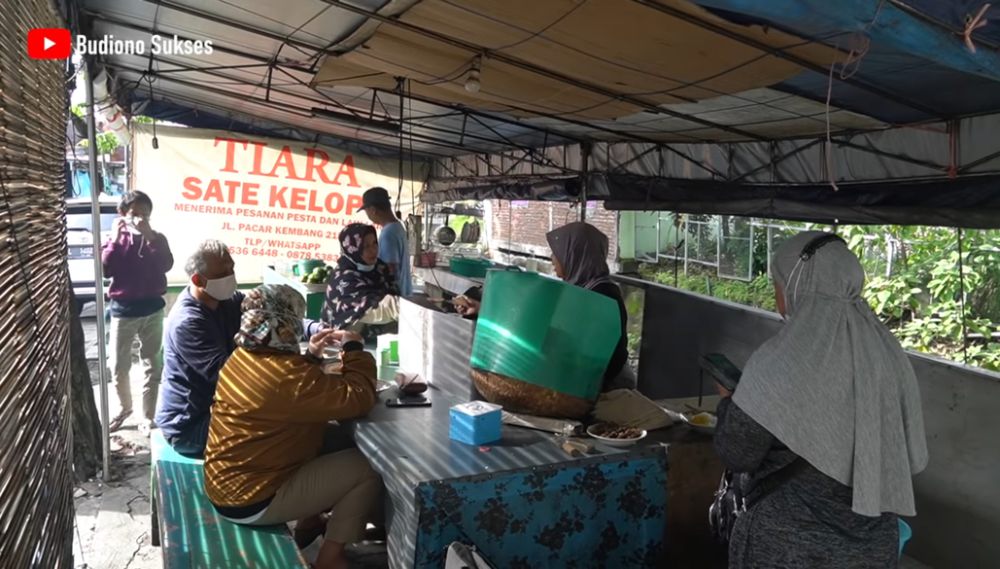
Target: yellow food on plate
(703,420)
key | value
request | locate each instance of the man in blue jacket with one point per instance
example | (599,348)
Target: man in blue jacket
(199,339)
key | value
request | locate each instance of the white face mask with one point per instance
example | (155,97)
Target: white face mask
(361,267)
(221,289)
(131,224)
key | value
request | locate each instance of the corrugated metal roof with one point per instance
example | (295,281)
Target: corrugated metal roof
(541,85)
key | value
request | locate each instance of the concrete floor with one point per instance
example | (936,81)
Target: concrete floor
(112,519)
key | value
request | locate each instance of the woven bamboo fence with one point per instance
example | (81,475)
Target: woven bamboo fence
(36,507)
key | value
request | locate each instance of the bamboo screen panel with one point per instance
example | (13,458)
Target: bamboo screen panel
(36,508)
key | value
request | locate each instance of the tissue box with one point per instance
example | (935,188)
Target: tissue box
(475,423)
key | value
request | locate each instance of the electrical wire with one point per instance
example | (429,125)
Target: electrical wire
(272,20)
(413,198)
(400,82)
(682,84)
(546,111)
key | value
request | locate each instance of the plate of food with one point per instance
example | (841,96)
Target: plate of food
(616,435)
(703,422)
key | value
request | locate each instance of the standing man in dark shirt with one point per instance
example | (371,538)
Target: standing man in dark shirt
(199,339)
(136,259)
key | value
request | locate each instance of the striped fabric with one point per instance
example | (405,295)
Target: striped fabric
(268,419)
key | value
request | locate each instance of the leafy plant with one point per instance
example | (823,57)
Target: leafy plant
(914,284)
(107,143)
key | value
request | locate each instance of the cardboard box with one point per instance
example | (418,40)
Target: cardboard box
(475,423)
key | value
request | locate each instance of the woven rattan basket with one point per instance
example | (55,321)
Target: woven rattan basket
(521,397)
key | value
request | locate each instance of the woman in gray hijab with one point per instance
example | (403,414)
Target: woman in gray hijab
(826,421)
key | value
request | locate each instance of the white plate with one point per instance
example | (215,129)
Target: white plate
(707,429)
(615,442)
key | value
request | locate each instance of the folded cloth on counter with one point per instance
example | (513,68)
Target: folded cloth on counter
(630,408)
(558,426)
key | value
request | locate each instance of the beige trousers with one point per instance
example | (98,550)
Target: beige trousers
(149,330)
(343,481)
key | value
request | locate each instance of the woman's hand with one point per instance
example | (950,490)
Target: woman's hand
(320,340)
(345,336)
(723,392)
(144,228)
(466,306)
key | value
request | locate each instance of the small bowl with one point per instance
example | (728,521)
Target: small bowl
(615,442)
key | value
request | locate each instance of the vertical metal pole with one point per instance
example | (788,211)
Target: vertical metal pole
(95,213)
(659,221)
(770,241)
(584,178)
(718,245)
(128,164)
(686,243)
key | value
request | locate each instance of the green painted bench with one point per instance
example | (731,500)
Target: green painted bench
(191,532)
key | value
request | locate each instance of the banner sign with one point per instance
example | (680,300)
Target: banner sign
(273,202)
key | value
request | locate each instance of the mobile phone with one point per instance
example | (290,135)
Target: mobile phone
(408,401)
(723,370)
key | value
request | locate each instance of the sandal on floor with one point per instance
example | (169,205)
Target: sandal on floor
(118,421)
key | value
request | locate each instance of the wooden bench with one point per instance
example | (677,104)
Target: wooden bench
(193,535)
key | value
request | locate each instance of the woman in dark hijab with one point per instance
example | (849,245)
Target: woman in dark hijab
(360,290)
(579,255)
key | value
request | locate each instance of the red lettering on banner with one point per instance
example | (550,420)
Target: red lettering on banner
(230,151)
(313,169)
(339,200)
(347,169)
(313,206)
(285,160)
(192,189)
(299,198)
(250,194)
(353,204)
(258,155)
(214,191)
(278,196)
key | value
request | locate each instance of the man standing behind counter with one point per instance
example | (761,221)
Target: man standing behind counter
(393,248)
(200,337)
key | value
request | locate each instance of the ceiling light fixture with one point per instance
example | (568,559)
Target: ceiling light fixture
(472,83)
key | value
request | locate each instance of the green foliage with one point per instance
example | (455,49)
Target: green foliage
(758,292)
(914,286)
(107,143)
(634,298)
(922,298)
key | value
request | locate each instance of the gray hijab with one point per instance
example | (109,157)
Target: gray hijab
(834,385)
(583,252)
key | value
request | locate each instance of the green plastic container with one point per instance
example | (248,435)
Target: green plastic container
(306,266)
(475,268)
(545,332)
